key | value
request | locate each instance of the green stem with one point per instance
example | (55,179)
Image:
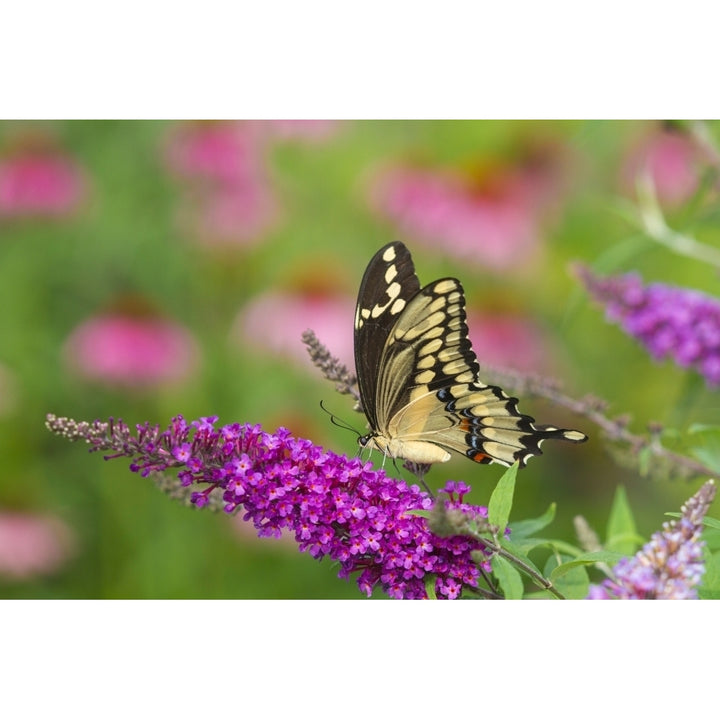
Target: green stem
(487,594)
(536,577)
(533,574)
(653,222)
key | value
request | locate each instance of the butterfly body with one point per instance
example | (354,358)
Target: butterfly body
(418,375)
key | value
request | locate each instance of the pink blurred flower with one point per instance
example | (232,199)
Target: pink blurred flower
(33,545)
(494,222)
(311,131)
(228,197)
(275,322)
(673,161)
(506,340)
(45,184)
(130,349)
(241,213)
(223,152)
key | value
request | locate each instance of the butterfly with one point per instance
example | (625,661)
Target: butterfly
(418,375)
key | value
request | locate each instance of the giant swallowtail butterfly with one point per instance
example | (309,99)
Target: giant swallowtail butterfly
(418,375)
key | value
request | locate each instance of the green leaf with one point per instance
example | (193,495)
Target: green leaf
(598,556)
(573,584)
(710,586)
(707,456)
(698,428)
(525,528)
(430,587)
(508,576)
(621,533)
(515,550)
(524,545)
(711,536)
(633,540)
(708,449)
(420,513)
(501,499)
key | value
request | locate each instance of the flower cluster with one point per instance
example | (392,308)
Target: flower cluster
(33,544)
(229,195)
(489,212)
(131,346)
(43,184)
(435,207)
(335,506)
(670,566)
(331,312)
(673,161)
(668,321)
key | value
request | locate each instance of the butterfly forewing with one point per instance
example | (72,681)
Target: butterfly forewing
(389,282)
(418,374)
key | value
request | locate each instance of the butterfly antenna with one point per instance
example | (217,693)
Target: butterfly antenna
(335,420)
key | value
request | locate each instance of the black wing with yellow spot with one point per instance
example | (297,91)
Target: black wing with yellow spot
(389,282)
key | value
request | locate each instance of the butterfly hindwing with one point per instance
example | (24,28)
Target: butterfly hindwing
(418,374)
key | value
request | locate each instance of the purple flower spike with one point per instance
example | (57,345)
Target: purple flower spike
(670,566)
(668,321)
(334,505)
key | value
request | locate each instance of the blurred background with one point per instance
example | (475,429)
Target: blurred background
(149,269)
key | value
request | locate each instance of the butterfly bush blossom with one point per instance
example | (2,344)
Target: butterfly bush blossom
(668,321)
(336,506)
(670,566)
(122,349)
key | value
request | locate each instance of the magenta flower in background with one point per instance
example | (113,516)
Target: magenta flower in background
(32,545)
(333,505)
(669,321)
(241,213)
(228,196)
(217,152)
(131,349)
(40,184)
(329,314)
(493,221)
(671,158)
(670,566)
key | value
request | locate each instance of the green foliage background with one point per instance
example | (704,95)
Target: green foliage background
(135,543)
